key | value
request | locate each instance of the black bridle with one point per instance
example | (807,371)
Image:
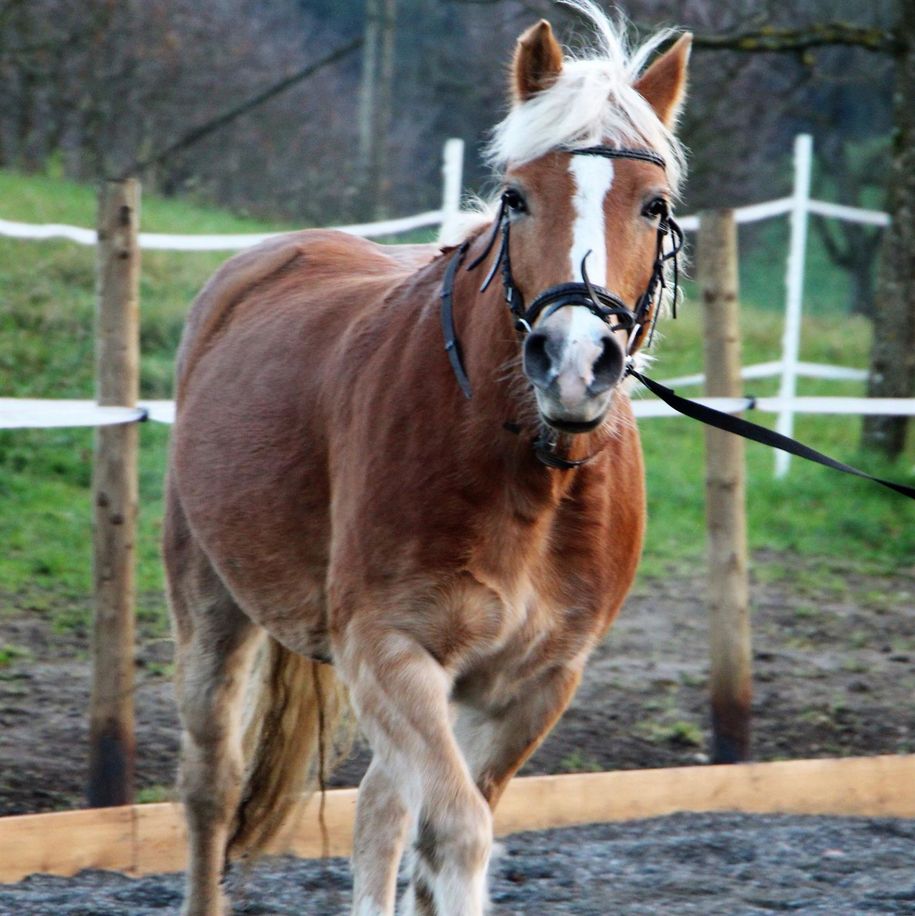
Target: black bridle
(603,303)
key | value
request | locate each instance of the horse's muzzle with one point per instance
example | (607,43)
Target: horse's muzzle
(573,366)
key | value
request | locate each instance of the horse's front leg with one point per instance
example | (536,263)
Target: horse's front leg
(400,694)
(382,823)
(495,735)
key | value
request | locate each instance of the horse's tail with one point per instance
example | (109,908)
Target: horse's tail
(297,729)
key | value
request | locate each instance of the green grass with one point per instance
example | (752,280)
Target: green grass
(47,302)
(814,512)
(825,287)
(46,350)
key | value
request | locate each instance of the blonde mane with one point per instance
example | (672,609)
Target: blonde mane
(592,101)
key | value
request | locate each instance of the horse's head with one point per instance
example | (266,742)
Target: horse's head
(589,169)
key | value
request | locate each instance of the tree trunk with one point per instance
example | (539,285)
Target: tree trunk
(375,102)
(368,102)
(27,103)
(384,107)
(861,271)
(892,369)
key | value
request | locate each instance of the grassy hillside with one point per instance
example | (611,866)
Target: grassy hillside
(46,350)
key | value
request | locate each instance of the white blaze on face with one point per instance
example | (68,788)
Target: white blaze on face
(593,178)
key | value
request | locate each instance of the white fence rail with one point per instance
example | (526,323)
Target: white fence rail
(20,413)
(790,367)
(41,413)
(157,241)
(24,413)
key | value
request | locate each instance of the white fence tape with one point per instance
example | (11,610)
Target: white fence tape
(47,414)
(887,407)
(157,241)
(47,231)
(160,411)
(41,413)
(751,213)
(849,214)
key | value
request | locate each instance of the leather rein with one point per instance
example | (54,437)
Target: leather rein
(603,303)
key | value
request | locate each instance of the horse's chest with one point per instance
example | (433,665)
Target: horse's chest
(520,633)
(534,616)
(545,592)
(539,569)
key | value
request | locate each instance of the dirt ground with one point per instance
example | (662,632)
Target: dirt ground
(685,864)
(833,665)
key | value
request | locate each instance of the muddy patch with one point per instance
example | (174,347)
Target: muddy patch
(834,675)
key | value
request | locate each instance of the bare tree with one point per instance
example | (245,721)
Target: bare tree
(892,368)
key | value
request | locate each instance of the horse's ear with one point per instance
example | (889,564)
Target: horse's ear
(663,84)
(538,61)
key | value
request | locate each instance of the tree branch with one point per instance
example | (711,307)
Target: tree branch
(770,39)
(203,130)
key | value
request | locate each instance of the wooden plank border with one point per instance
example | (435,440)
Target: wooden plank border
(144,839)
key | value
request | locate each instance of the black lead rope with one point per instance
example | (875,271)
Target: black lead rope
(741,427)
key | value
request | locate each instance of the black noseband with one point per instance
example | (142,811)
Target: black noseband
(596,299)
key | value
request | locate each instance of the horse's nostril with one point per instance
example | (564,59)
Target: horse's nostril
(608,367)
(538,362)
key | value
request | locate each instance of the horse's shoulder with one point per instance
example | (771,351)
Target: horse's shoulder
(412,257)
(346,262)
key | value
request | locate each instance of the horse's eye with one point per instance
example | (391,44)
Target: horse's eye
(656,209)
(514,201)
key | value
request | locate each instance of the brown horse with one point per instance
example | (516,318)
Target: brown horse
(345,524)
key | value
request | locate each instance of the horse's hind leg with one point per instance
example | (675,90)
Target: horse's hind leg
(214,644)
(400,694)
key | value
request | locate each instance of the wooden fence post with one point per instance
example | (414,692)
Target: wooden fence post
(728,590)
(114,493)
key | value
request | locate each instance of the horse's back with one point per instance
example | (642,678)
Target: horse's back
(324,271)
